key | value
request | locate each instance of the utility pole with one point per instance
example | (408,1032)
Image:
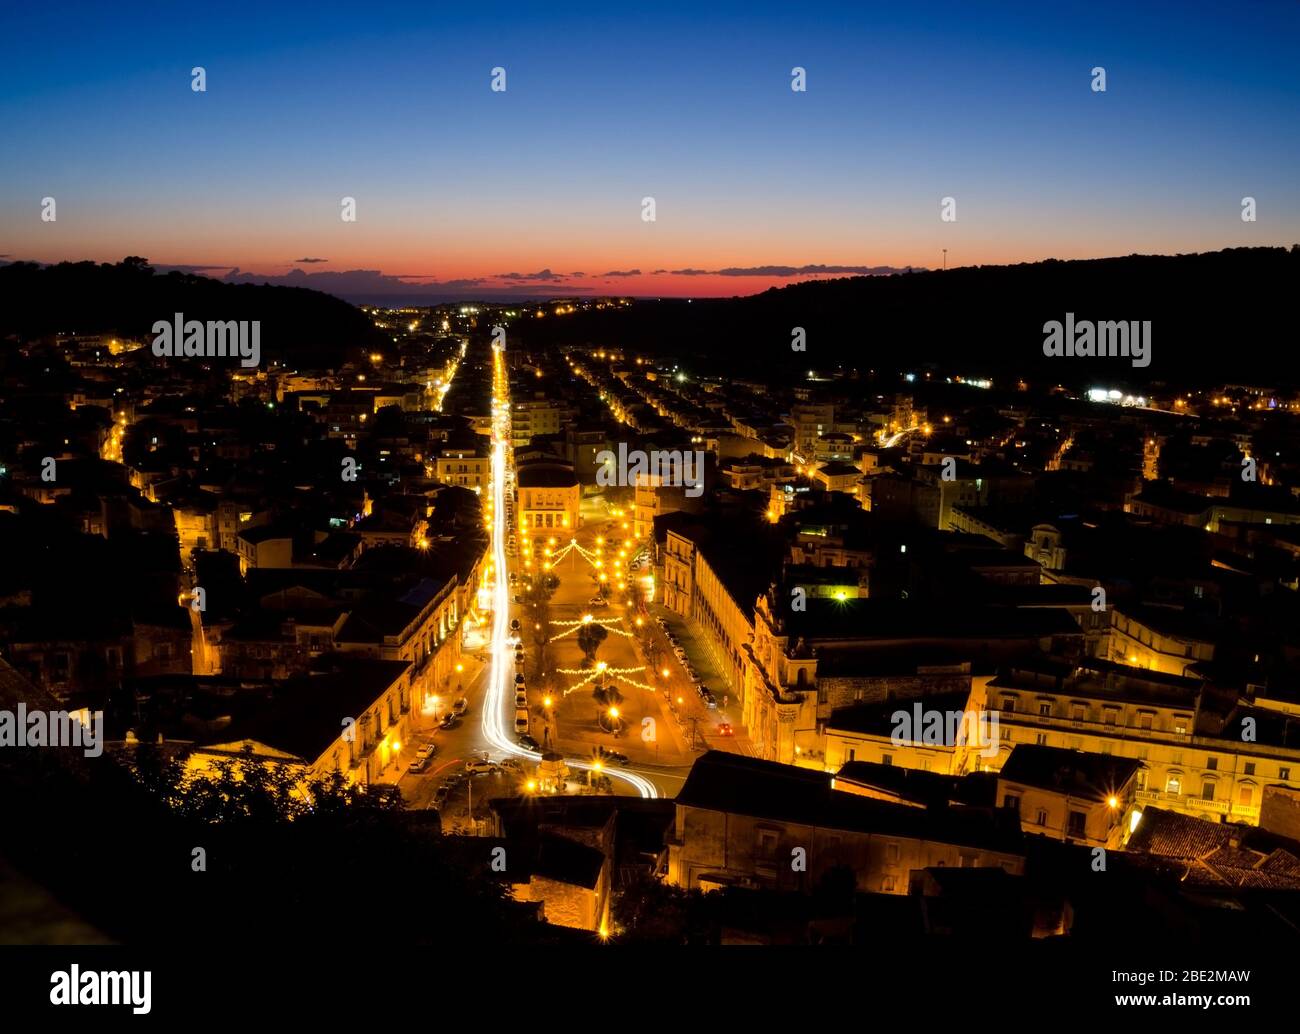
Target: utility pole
(945,260)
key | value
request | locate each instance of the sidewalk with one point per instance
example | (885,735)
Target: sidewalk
(699,653)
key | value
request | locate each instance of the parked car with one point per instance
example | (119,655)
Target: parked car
(514,624)
(724,729)
(519,679)
(460,707)
(598,601)
(527,742)
(418,765)
(709,700)
(512,764)
(481,766)
(513,577)
(449,721)
(521,700)
(521,720)
(427,750)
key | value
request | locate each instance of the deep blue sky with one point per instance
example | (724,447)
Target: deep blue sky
(389,103)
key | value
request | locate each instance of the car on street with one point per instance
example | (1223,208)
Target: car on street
(512,764)
(521,720)
(449,721)
(418,765)
(426,750)
(517,600)
(724,729)
(527,742)
(481,766)
(519,679)
(707,696)
(598,601)
(521,700)
(514,624)
(513,577)
(614,756)
(460,707)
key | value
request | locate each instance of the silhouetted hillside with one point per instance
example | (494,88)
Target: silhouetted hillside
(299,327)
(1217,315)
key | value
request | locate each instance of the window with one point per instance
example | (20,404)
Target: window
(1207,790)
(1284,773)
(1045,709)
(1009,704)
(1244,796)
(1211,763)
(886,759)
(1180,724)
(1011,801)
(1173,785)
(887,885)
(1078,823)
(767,840)
(1110,715)
(853,754)
(1041,818)
(1250,768)
(1144,720)
(892,854)
(1041,739)
(1078,712)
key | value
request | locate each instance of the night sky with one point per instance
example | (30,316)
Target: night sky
(458,186)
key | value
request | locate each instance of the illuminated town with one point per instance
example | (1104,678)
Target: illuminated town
(935,587)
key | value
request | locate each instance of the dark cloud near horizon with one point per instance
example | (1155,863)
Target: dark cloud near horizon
(541,276)
(788,271)
(622,272)
(311,261)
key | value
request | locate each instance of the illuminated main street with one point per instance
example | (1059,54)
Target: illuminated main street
(498,702)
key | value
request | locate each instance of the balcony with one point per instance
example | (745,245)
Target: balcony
(1198,806)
